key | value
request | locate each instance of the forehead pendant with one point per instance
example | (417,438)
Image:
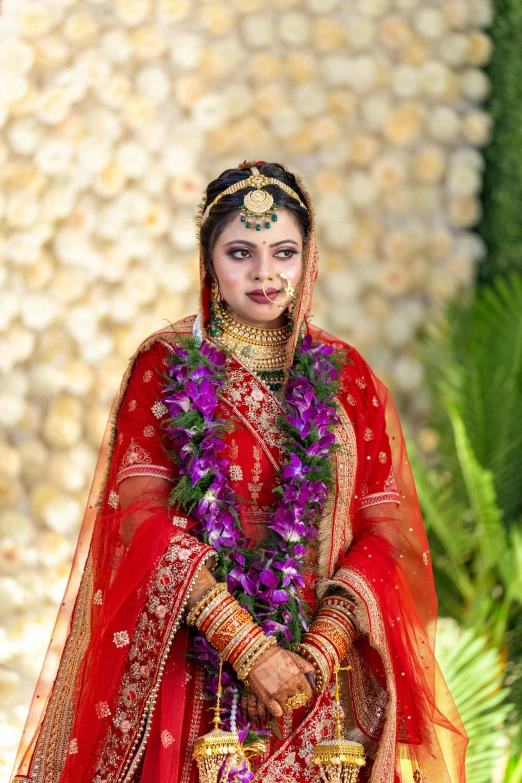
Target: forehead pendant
(258,205)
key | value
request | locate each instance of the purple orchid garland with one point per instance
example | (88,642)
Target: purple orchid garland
(266,578)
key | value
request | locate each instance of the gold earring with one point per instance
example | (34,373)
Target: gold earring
(215,294)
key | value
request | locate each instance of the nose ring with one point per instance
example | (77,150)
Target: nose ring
(287,291)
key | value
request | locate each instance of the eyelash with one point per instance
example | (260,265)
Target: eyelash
(243,249)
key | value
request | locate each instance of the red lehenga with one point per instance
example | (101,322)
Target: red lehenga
(118,700)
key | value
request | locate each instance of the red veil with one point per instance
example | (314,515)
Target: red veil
(119,644)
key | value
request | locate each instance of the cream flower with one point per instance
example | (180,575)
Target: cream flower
(322,6)
(53,105)
(35,19)
(464,212)
(218,18)
(173,10)
(22,247)
(23,135)
(181,233)
(154,83)
(16,55)
(479,48)
(133,159)
(209,111)
(373,8)
(132,12)
(258,29)
(300,67)
(376,111)
(21,209)
(475,85)
(444,124)
(149,42)
(294,28)
(38,311)
(477,127)
(51,51)
(308,99)
(332,206)
(139,286)
(389,171)
(93,67)
(138,111)
(362,189)
(115,91)
(438,81)
(264,67)
(62,514)
(430,23)
(454,49)
(463,180)
(339,234)
(429,164)
(93,154)
(186,51)
(14,85)
(408,373)
(54,156)
(363,74)
(395,32)
(405,123)
(80,28)
(405,81)
(117,46)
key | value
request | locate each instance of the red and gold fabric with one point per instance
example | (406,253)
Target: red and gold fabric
(118,699)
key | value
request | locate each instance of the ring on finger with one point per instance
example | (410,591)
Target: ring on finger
(296,701)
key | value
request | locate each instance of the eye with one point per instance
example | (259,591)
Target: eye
(232,253)
(287,250)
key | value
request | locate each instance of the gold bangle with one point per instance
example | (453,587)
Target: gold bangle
(240,635)
(217,602)
(219,587)
(225,614)
(245,671)
(249,650)
(316,658)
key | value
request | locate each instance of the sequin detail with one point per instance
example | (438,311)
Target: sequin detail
(159,410)
(121,639)
(113,499)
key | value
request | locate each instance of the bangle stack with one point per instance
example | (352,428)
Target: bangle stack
(230,629)
(328,638)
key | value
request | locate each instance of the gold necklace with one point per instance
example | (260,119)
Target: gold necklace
(263,351)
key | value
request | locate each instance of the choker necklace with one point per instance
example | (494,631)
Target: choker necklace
(263,351)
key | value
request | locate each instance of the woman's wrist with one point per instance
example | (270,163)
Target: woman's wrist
(230,628)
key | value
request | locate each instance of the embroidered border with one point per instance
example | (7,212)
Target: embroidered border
(379,497)
(158,471)
(180,565)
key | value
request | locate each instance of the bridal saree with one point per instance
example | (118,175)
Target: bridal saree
(119,700)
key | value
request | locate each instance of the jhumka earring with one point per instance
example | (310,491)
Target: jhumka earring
(339,760)
(219,750)
(288,290)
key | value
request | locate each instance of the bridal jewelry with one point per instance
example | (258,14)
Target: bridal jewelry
(296,701)
(339,759)
(263,351)
(289,290)
(257,203)
(219,750)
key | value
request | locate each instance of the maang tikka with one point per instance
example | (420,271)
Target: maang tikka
(258,203)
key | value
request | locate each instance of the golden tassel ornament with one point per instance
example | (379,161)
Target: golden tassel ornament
(218,751)
(339,760)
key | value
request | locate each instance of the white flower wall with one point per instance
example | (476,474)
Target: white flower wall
(113,116)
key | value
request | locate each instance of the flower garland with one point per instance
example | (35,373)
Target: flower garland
(265,579)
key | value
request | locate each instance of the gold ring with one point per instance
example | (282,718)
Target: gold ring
(294,702)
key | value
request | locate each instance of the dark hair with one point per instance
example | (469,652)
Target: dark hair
(224,211)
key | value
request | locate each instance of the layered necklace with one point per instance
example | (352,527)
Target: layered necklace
(263,351)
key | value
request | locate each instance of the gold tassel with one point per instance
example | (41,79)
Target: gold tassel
(218,751)
(339,760)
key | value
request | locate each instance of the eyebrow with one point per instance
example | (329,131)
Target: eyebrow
(253,244)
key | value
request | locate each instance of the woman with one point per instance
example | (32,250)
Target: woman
(248,456)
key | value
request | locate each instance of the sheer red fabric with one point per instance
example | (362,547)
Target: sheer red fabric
(118,700)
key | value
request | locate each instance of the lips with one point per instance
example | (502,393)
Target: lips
(258,296)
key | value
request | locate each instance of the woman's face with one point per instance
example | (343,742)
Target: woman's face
(243,258)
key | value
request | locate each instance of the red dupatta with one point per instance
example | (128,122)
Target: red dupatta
(92,715)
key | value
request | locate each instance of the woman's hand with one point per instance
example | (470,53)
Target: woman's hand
(277,675)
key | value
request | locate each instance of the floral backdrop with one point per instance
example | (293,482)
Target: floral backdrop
(113,116)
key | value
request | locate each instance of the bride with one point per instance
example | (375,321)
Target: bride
(253,520)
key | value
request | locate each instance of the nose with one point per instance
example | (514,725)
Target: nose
(265,266)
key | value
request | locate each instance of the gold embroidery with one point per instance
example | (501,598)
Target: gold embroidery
(335,530)
(382,457)
(147,376)
(234,449)
(389,484)
(132,405)
(375,401)
(121,638)
(73,746)
(113,499)
(159,410)
(102,710)
(166,738)
(98,598)
(135,454)
(149,431)
(255,487)
(361,383)
(368,434)
(236,472)
(351,399)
